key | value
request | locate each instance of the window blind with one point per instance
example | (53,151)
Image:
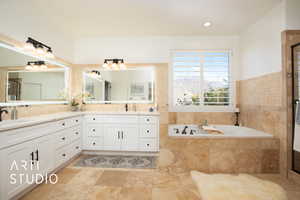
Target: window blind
(201,78)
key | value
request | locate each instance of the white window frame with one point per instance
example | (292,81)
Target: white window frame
(203,108)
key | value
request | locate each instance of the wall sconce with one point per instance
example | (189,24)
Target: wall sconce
(116,64)
(39,48)
(36,66)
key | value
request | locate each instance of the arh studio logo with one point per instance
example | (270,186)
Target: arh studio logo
(29,172)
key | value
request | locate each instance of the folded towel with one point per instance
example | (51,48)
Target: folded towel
(212,130)
(297,113)
(296,144)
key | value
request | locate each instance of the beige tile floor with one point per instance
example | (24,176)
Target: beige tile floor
(77,183)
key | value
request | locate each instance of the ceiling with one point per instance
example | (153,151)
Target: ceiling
(90,18)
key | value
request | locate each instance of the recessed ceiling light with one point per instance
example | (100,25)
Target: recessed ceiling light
(207,24)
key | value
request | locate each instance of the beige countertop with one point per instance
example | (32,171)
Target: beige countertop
(30,121)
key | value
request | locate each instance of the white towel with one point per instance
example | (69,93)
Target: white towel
(297,128)
(297,138)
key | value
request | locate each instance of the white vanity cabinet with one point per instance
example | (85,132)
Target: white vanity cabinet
(42,145)
(121,132)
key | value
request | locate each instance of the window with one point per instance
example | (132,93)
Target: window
(200,80)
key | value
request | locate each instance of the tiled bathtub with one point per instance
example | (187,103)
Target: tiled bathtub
(221,154)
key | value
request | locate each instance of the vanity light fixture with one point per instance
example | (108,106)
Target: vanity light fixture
(95,75)
(36,66)
(39,48)
(116,64)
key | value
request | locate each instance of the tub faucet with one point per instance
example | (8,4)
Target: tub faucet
(184,130)
(2,111)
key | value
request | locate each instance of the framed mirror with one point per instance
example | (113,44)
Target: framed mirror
(27,80)
(134,85)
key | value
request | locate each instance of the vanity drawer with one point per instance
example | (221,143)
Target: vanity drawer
(121,119)
(94,143)
(66,153)
(148,145)
(148,120)
(61,156)
(147,131)
(75,148)
(62,139)
(94,130)
(73,121)
(94,118)
(70,122)
(75,133)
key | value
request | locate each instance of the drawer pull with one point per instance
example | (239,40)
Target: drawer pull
(76,133)
(94,143)
(64,155)
(63,138)
(148,145)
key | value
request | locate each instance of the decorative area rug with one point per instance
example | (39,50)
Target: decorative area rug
(118,161)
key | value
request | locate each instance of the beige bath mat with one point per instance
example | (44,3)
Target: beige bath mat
(239,187)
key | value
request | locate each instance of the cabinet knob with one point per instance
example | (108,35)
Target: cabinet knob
(76,120)
(94,143)
(94,130)
(64,155)
(63,138)
(77,147)
(76,133)
(147,120)
(147,131)
(94,119)
(148,145)
(63,124)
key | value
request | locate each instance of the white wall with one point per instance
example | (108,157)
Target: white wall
(19,20)
(148,49)
(261,44)
(293,14)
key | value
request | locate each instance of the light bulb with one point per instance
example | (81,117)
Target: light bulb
(40,50)
(35,67)
(105,65)
(115,66)
(49,54)
(123,66)
(28,67)
(28,46)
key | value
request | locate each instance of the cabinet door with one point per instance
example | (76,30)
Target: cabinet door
(17,168)
(112,137)
(44,154)
(130,138)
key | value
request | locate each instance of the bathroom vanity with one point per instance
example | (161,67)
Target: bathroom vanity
(53,140)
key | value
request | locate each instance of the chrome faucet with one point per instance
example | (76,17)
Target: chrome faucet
(2,111)
(184,130)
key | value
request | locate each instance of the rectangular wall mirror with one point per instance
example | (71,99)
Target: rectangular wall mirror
(134,85)
(26,80)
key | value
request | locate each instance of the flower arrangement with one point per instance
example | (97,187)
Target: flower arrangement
(78,100)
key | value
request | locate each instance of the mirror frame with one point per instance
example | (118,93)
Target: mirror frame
(150,69)
(66,68)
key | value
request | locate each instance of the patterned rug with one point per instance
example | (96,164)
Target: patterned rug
(118,161)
